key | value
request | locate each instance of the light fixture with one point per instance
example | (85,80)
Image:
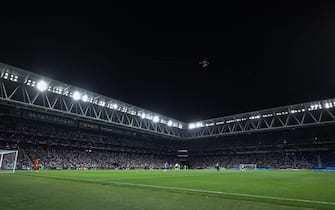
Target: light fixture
(191,126)
(42,86)
(155,119)
(76,95)
(84,98)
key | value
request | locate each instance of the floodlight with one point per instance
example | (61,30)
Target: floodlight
(42,86)
(328,105)
(191,126)
(258,116)
(84,98)
(169,123)
(143,115)
(76,95)
(60,90)
(114,106)
(155,119)
(199,124)
(101,103)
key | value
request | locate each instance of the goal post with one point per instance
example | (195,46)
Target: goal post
(8,159)
(248,166)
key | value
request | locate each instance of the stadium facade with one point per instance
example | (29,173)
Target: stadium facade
(39,114)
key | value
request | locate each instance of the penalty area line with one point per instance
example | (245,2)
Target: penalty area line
(188,189)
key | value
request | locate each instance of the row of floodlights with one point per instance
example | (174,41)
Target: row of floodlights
(76,95)
(11,77)
(326,105)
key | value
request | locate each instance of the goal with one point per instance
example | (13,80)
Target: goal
(8,160)
(248,166)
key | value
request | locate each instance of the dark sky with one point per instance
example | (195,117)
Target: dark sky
(261,56)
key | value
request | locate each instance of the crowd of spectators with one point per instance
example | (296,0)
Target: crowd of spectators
(58,157)
(68,147)
(276,160)
(45,134)
(54,157)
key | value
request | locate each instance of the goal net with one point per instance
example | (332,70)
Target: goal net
(248,166)
(8,160)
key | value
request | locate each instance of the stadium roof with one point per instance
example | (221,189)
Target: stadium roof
(43,83)
(298,115)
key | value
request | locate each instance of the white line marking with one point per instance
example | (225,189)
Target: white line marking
(150,177)
(190,190)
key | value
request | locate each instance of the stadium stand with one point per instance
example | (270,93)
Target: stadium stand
(67,144)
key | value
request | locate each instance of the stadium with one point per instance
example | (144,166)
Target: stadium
(83,135)
(66,144)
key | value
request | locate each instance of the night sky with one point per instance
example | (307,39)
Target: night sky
(261,56)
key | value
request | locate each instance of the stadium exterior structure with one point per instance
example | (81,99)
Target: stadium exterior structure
(33,93)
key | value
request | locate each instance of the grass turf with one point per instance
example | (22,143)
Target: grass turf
(191,189)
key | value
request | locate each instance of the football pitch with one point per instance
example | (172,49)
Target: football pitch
(156,189)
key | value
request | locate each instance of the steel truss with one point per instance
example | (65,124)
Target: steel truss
(300,115)
(16,90)
(18,87)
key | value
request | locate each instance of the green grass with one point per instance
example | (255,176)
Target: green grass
(206,189)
